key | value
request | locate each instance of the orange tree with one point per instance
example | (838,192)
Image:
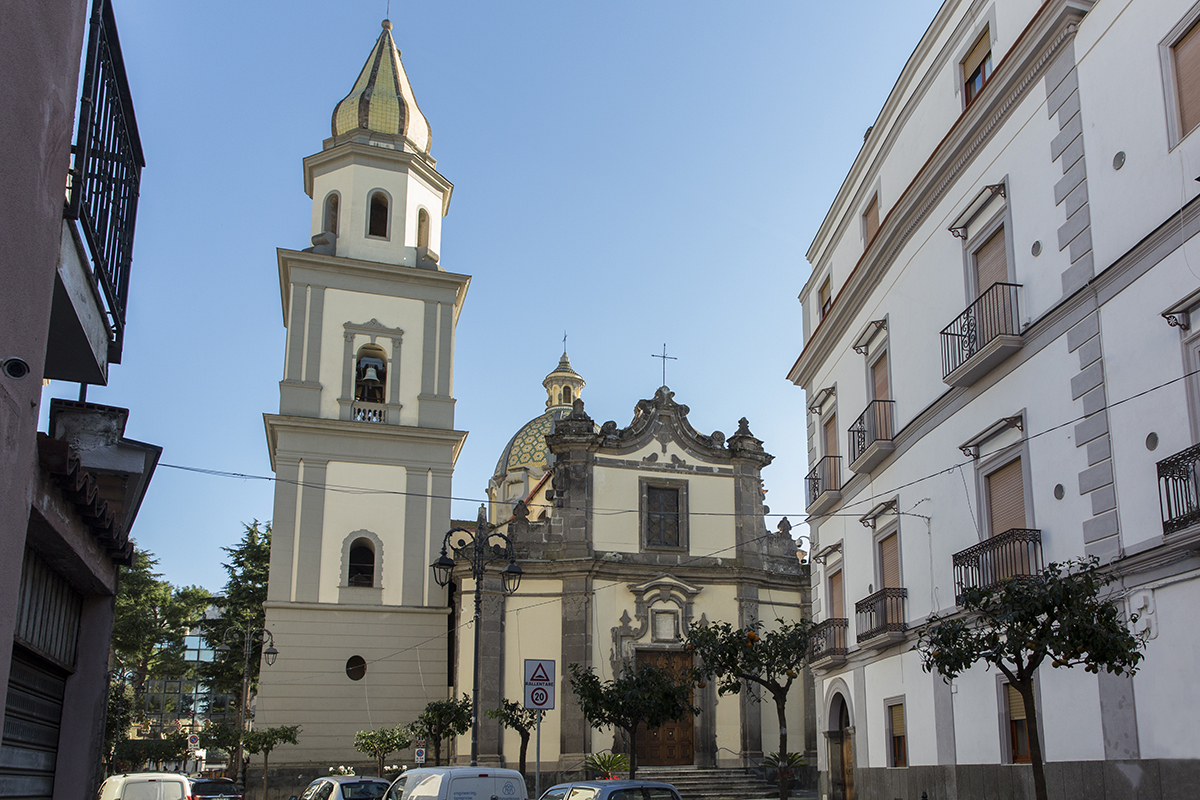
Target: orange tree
(516,717)
(753,657)
(1058,616)
(647,693)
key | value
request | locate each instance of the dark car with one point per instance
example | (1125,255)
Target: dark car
(215,789)
(611,790)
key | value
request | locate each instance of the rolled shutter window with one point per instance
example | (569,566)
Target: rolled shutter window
(1187,79)
(1016,704)
(889,556)
(897,720)
(1006,498)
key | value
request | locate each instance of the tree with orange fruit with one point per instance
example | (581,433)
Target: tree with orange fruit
(753,657)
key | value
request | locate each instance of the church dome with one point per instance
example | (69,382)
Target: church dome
(527,449)
(382,99)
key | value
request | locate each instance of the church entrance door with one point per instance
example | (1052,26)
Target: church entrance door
(671,744)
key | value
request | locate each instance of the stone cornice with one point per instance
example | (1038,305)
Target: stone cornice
(1026,61)
(361,153)
(350,430)
(373,270)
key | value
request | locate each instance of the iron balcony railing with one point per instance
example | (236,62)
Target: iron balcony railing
(1178,490)
(879,613)
(107,166)
(368,412)
(993,314)
(876,424)
(829,639)
(823,477)
(1015,553)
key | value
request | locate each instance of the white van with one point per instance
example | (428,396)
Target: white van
(147,786)
(457,783)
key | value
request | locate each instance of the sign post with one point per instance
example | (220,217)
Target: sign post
(419,751)
(539,696)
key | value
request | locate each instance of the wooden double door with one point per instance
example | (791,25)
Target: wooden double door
(672,744)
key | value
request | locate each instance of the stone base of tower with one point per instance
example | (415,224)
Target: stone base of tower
(310,685)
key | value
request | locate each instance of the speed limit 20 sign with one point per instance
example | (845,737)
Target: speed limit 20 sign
(539,683)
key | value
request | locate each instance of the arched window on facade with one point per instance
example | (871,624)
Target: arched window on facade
(422,228)
(331,214)
(566,395)
(370,374)
(378,225)
(362,563)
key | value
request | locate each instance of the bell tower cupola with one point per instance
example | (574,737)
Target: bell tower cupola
(376,191)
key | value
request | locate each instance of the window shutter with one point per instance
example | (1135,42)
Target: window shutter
(978,53)
(1016,704)
(1006,498)
(991,263)
(1187,79)
(879,374)
(831,442)
(837,609)
(897,712)
(871,218)
(889,557)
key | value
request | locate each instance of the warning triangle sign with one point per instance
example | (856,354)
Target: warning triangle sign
(539,674)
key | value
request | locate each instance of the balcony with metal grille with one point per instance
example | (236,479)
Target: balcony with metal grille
(981,337)
(1015,553)
(828,643)
(823,484)
(1179,490)
(87,323)
(871,435)
(879,618)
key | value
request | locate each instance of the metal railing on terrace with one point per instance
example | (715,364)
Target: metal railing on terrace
(879,613)
(823,477)
(1013,554)
(875,424)
(994,313)
(106,167)
(829,639)
(1179,491)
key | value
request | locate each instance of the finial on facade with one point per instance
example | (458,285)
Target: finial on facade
(387,24)
(744,427)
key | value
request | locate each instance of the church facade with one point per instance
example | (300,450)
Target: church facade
(364,443)
(626,536)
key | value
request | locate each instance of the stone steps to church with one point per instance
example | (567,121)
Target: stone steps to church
(714,784)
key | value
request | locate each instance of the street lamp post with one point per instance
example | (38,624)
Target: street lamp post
(263,636)
(480,548)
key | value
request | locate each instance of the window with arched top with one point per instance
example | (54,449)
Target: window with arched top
(378,217)
(422,228)
(370,374)
(566,395)
(362,563)
(331,213)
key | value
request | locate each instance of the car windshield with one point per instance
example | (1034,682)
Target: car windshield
(363,790)
(214,789)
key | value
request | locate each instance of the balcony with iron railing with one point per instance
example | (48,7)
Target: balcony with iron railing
(871,435)
(823,484)
(1179,491)
(827,644)
(87,324)
(988,332)
(879,618)
(1015,553)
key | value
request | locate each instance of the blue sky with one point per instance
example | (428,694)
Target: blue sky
(635,173)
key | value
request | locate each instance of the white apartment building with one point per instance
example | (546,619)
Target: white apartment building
(1002,331)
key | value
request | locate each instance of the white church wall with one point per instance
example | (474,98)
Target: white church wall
(394,312)
(533,625)
(356,184)
(421,194)
(347,512)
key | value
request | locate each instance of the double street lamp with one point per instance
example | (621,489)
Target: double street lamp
(252,635)
(480,548)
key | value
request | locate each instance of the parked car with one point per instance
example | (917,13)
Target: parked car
(458,783)
(611,790)
(343,787)
(147,786)
(214,789)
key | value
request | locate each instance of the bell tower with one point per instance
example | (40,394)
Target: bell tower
(364,443)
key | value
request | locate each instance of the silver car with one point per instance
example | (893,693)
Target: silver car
(611,790)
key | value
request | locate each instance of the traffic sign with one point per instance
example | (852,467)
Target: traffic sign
(419,755)
(539,683)
(193,741)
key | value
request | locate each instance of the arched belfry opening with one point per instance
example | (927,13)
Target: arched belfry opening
(370,374)
(422,228)
(378,217)
(331,213)
(362,563)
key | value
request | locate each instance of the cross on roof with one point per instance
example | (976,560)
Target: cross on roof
(665,358)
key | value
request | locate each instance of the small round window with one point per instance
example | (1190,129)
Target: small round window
(356,668)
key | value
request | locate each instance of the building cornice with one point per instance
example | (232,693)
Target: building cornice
(1026,61)
(370,155)
(349,430)
(344,267)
